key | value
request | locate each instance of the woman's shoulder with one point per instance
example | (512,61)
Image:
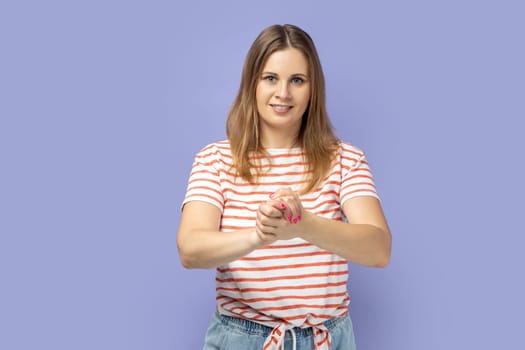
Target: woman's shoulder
(347,149)
(215,150)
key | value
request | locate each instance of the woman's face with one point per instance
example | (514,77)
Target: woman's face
(283,92)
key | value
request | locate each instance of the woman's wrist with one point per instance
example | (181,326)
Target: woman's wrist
(305,226)
(259,239)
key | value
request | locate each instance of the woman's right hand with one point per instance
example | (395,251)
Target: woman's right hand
(267,220)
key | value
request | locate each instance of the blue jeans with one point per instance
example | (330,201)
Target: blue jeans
(230,333)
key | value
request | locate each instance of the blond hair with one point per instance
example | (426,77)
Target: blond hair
(316,136)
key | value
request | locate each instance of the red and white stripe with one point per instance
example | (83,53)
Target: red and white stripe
(289,283)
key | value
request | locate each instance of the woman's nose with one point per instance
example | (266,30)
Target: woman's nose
(283,91)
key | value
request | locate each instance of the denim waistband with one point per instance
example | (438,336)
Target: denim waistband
(254,328)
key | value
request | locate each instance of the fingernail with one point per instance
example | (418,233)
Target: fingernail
(290,218)
(283,205)
(299,217)
(295,220)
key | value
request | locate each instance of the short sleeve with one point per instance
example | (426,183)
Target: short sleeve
(204,181)
(356,177)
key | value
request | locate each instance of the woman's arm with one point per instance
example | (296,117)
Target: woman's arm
(365,240)
(202,245)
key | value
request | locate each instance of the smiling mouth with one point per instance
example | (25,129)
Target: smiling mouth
(281,108)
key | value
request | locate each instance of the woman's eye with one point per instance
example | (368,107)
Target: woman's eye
(270,78)
(297,80)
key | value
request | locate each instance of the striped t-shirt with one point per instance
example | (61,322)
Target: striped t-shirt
(290,283)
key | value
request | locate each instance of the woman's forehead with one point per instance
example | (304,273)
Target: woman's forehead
(287,61)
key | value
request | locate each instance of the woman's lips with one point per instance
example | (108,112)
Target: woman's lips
(281,109)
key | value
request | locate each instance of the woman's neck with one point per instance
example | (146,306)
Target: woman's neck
(279,140)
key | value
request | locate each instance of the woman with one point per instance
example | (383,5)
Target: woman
(281,207)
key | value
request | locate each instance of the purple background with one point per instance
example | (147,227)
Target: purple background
(104,104)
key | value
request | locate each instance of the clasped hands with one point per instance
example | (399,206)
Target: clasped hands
(279,216)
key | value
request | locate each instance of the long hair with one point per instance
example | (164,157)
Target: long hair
(316,136)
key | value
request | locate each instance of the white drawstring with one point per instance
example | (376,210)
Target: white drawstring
(275,340)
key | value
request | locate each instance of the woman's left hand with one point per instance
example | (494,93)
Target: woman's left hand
(280,215)
(289,203)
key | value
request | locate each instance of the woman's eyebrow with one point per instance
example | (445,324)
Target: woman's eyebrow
(292,75)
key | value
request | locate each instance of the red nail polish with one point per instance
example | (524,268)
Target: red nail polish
(283,205)
(295,220)
(290,218)
(299,217)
